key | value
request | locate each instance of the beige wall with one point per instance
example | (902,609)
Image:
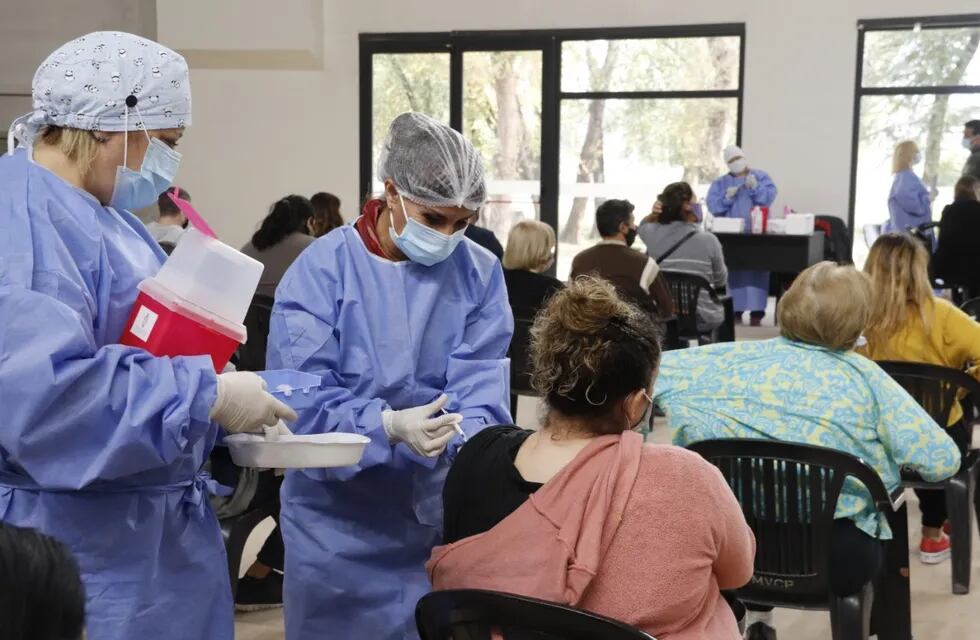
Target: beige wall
(285,120)
(31,29)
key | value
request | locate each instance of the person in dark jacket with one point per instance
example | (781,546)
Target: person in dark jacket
(530,252)
(486,239)
(957,257)
(636,276)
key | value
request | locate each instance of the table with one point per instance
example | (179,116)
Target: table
(775,253)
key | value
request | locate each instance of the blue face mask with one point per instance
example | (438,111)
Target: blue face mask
(138,189)
(968,143)
(423,244)
(696,210)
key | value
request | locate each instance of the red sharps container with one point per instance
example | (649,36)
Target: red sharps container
(197,302)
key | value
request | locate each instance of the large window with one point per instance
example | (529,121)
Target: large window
(918,79)
(565,119)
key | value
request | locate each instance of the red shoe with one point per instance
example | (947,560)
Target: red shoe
(934,551)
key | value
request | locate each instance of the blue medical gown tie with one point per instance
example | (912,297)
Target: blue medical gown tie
(382,335)
(101,445)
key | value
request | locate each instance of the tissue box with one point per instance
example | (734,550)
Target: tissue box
(728,225)
(777,226)
(799,224)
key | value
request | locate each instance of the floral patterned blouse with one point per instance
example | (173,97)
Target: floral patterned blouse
(796,392)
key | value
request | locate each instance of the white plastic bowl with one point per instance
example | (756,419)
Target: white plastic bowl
(319,451)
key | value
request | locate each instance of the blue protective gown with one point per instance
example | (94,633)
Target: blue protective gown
(101,444)
(909,204)
(382,335)
(749,289)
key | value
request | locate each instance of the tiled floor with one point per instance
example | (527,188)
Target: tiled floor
(936,613)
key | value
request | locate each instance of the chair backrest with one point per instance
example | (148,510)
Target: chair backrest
(837,248)
(971,308)
(871,233)
(789,493)
(251,355)
(468,614)
(685,289)
(519,353)
(934,387)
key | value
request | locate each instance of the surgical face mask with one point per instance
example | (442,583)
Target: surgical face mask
(738,166)
(697,211)
(968,143)
(631,236)
(423,244)
(917,158)
(645,418)
(138,189)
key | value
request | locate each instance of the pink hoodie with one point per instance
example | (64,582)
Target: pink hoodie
(641,533)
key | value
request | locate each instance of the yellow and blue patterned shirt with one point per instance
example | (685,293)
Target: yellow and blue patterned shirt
(796,392)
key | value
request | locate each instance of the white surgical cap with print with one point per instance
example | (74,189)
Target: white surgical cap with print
(432,164)
(101,81)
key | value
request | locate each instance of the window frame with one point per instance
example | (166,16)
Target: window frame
(549,42)
(860,91)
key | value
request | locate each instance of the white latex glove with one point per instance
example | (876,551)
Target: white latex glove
(730,192)
(751,181)
(424,434)
(243,404)
(273,433)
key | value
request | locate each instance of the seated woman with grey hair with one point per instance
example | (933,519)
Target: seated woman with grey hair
(809,386)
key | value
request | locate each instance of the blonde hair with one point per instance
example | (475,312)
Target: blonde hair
(529,246)
(903,156)
(898,266)
(78,145)
(828,305)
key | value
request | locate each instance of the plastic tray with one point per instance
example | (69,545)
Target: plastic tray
(318,451)
(295,388)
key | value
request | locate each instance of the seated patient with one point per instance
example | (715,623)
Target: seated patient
(582,512)
(809,386)
(908,323)
(41,594)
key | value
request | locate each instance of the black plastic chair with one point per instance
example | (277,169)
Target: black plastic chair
(789,493)
(520,360)
(235,531)
(251,355)
(971,308)
(837,247)
(469,614)
(936,389)
(685,289)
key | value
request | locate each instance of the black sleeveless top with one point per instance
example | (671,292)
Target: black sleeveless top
(483,486)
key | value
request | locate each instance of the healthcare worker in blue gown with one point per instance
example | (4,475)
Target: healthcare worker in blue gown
(101,445)
(408,323)
(909,201)
(734,195)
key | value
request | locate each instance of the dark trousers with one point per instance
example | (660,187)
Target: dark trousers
(273,552)
(226,472)
(855,558)
(932,502)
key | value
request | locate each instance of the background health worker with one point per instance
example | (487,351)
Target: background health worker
(101,445)
(734,195)
(403,317)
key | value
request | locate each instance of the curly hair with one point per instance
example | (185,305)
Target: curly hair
(590,349)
